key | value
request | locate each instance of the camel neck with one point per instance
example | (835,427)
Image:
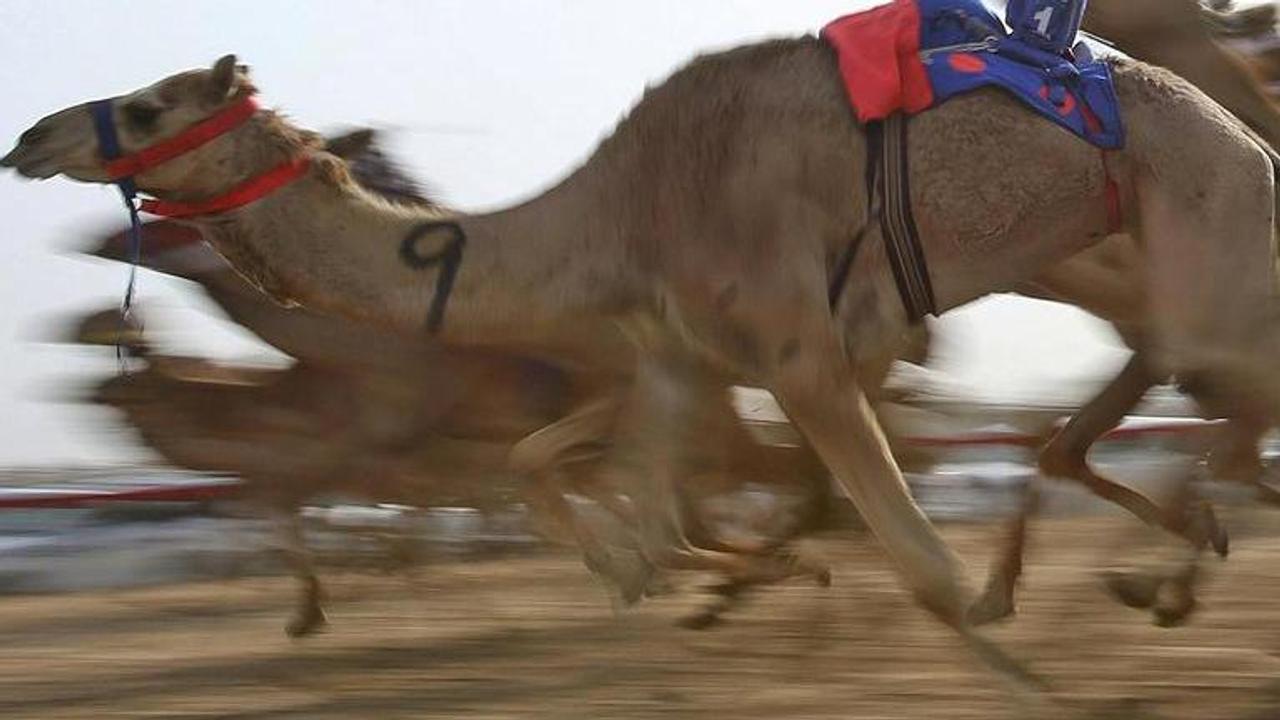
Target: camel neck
(328,245)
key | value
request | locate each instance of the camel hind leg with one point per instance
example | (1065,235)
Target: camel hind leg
(308,616)
(1066,456)
(997,601)
(1207,220)
(549,458)
(1207,236)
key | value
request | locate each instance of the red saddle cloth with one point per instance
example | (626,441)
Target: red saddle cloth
(879,53)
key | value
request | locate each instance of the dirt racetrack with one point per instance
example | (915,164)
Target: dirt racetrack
(534,637)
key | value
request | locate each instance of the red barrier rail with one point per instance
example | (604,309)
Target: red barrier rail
(70,498)
(1130,432)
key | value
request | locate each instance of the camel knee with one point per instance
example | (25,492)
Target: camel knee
(528,458)
(1062,460)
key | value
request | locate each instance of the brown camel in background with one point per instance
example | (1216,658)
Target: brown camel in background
(360,400)
(1106,281)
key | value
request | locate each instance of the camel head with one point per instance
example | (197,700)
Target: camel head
(66,142)
(179,249)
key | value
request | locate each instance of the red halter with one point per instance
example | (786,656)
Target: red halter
(238,196)
(206,130)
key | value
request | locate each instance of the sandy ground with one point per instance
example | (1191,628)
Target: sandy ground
(535,637)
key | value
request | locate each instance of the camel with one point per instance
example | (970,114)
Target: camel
(1106,281)
(1175,34)
(484,396)
(296,434)
(278,430)
(373,386)
(708,224)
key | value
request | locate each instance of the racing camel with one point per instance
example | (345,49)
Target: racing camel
(1106,281)
(709,224)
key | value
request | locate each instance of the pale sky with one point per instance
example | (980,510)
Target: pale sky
(489,100)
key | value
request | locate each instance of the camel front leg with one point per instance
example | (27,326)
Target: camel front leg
(673,428)
(997,601)
(817,388)
(565,447)
(309,614)
(630,578)
(840,425)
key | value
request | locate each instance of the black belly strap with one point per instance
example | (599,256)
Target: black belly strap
(889,204)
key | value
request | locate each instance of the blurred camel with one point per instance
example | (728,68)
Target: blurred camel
(400,419)
(1106,281)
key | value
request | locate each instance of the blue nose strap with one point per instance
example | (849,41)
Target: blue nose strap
(109,147)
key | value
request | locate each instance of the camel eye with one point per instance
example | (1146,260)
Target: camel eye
(142,115)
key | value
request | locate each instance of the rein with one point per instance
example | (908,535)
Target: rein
(109,146)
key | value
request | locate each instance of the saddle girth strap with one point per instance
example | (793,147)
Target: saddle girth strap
(902,245)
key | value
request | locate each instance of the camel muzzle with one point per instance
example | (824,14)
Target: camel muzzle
(14,157)
(41,168)
(28,139)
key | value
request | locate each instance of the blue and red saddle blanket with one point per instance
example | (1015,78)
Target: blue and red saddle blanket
(911,55)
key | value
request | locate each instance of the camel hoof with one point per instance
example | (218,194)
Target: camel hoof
(1135,590)
(1175,604)
(700,621)
(630,580)
(991,607)
(658,586)
(307,623)
(823,578)
(730,589)
(1175,616)
(636,584)
(799,565)
(1214,531)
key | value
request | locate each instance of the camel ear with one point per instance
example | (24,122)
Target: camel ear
(222,78)
(352,144)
